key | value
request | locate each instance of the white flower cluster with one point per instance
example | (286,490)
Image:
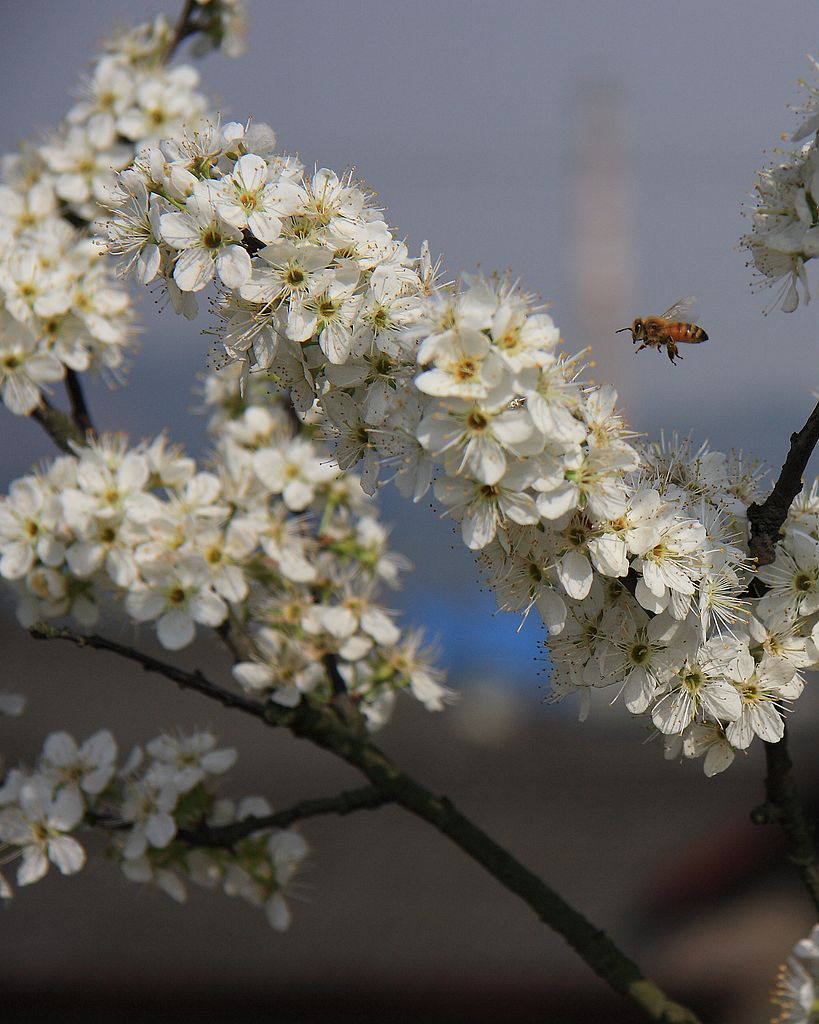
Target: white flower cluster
(785,218)
(270,537)
(151,809)
(315,289)
(797,988)
(635,558)
(61,307)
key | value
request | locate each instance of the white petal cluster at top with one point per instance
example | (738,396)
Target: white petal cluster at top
(784,234)
(146,806)
(61,306)
(634,556)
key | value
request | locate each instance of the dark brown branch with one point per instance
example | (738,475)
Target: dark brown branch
(236,639)
(59,426)
(784,808)
(592,944)
(766,519)
(326,729)
(364,798)
(79,407)
(185,680)
(185,26)
(337,684)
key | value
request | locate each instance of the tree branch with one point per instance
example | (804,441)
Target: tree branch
(79,409)
(766,519)
(59,426)
(782,805)
(592,944)
(324,728)
(784,808)
(346,802)
(185,680)
(328,731)
(185,26)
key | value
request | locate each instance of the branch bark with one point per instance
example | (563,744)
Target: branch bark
(784,808)
(323,727)
(79,408)
(185,26)
(782,805)
(346,802)
(766,519)
(59,426)
(185,680)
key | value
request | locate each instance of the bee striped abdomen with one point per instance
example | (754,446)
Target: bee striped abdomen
(681,331)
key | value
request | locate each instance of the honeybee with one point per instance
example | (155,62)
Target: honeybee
(670,330)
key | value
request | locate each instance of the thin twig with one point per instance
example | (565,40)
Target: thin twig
(784,808)
(766,519)
(185,26)
(79,408)
(185,680)
(59,426)
(326,729)
(364,798)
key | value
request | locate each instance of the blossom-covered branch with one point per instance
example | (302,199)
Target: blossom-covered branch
(343,350)
(149,809)
(62,311)
(323,727)
(415,379)
(766,519)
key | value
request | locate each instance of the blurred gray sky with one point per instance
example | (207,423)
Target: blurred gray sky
(468,120)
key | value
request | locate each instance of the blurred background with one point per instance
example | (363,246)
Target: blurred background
(603,156)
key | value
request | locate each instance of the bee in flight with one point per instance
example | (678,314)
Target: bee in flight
(670,329)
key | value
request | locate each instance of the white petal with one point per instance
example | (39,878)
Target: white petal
(673,712)
(34,866)
(278,913)
(193,270)
(575,574)
(172,885)
(67,811)
(252,675)
(233,265)
(638,691)
(208,608)
(60,749)
(479,526)
(767,722)
(722,700)
(160,830)
(175,630)
(67,854)
(218,761)
(719,757)
(739,733)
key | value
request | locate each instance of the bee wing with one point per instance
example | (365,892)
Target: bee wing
(681,310)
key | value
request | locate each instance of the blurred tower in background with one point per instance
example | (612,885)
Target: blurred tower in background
(603,231)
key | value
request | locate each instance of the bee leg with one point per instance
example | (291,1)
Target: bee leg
(640,349)
(673,354)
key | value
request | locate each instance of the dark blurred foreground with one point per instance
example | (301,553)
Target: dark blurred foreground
(392,922)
